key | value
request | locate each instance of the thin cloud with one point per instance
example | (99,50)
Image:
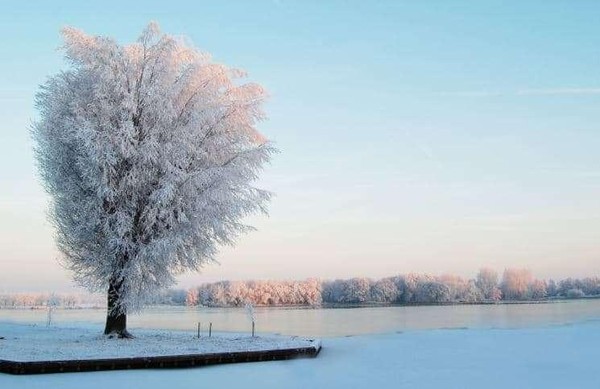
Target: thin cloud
(559,91)
(524,92)
(469,94)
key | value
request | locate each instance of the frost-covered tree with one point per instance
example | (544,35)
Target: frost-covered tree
(457,285)
(429,292)
(538,289)
(589,286)
(357,290)
(574,293)
(515,284)
(408,286)
(192,297)
(352,291)
(149,152)
(487,282)
(471,293)
(384,290)
(552,288)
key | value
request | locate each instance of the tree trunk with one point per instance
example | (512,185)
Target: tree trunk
(116,318)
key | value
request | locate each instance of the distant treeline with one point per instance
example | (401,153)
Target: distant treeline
(487,286)
(42,300)
(78,300)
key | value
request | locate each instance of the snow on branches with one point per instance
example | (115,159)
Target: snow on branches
(149,152)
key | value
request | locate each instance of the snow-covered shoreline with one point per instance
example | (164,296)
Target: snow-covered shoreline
(24,342)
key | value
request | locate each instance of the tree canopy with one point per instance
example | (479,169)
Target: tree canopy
(149,152)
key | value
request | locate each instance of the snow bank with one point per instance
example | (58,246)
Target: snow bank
(35,343)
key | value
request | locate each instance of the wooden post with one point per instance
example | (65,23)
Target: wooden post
(209,330)
(253,328)
(198,330)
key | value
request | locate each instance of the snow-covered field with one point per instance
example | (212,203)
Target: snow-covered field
(35,343)
(564,357)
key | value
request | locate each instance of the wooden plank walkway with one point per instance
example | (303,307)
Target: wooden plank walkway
(154,362)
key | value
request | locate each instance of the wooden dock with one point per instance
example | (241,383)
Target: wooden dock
(155,362)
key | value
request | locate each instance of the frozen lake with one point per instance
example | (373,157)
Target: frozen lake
(540,354)
(335,322)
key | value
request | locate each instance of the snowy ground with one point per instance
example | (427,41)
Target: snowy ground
(564,357)
(35,343)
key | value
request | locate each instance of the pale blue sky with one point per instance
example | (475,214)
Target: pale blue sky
(415,136)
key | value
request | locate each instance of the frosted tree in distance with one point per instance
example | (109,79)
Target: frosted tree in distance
(149,152)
